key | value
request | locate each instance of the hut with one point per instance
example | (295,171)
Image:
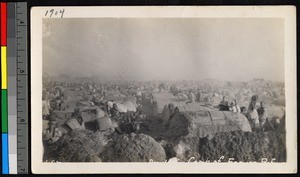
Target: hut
(203,123)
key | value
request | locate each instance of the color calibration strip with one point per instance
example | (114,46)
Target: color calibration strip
(14,98)
(4,104)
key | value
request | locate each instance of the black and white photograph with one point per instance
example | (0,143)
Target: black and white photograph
(163,89)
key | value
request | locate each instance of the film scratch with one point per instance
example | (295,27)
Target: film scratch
(127,89)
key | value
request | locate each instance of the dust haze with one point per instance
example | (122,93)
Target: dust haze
(165,49)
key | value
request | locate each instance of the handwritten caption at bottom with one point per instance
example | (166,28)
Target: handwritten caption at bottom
(220,160)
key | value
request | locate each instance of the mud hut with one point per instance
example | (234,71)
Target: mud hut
(133,148)
(77,146)
(202,123)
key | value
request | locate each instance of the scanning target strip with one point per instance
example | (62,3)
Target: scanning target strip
(4,105)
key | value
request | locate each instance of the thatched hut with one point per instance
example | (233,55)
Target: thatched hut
(77,146)
(202,123)
(133,148)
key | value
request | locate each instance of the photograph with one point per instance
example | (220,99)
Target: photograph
(154,89)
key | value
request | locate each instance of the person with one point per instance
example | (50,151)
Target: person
(244,110)
(199,96)
(182,96)
(224,105)
(52,134)
(232,107)
(191,97)
(114,111)
(161,87)
(171,108)
(253,117)
(253,101)
(96,100)
(237,106)
(224,101)
(45,107)
(262,114)
(174,90)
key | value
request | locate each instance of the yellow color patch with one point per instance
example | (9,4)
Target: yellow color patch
(3,68)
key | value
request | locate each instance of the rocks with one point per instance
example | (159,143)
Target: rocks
(133,148)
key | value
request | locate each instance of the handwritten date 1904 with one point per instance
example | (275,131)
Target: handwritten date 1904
(55,13)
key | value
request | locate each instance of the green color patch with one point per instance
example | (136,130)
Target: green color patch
(4,115)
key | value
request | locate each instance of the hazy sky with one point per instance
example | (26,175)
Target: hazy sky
(225,49)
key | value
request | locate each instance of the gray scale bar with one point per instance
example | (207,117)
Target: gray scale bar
(22,63)
(22,154)
(21,31)
(22,88)
(12,85)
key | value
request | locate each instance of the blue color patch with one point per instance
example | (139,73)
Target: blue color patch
(5,167)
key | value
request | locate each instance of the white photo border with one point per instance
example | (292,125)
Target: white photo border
(288,13)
